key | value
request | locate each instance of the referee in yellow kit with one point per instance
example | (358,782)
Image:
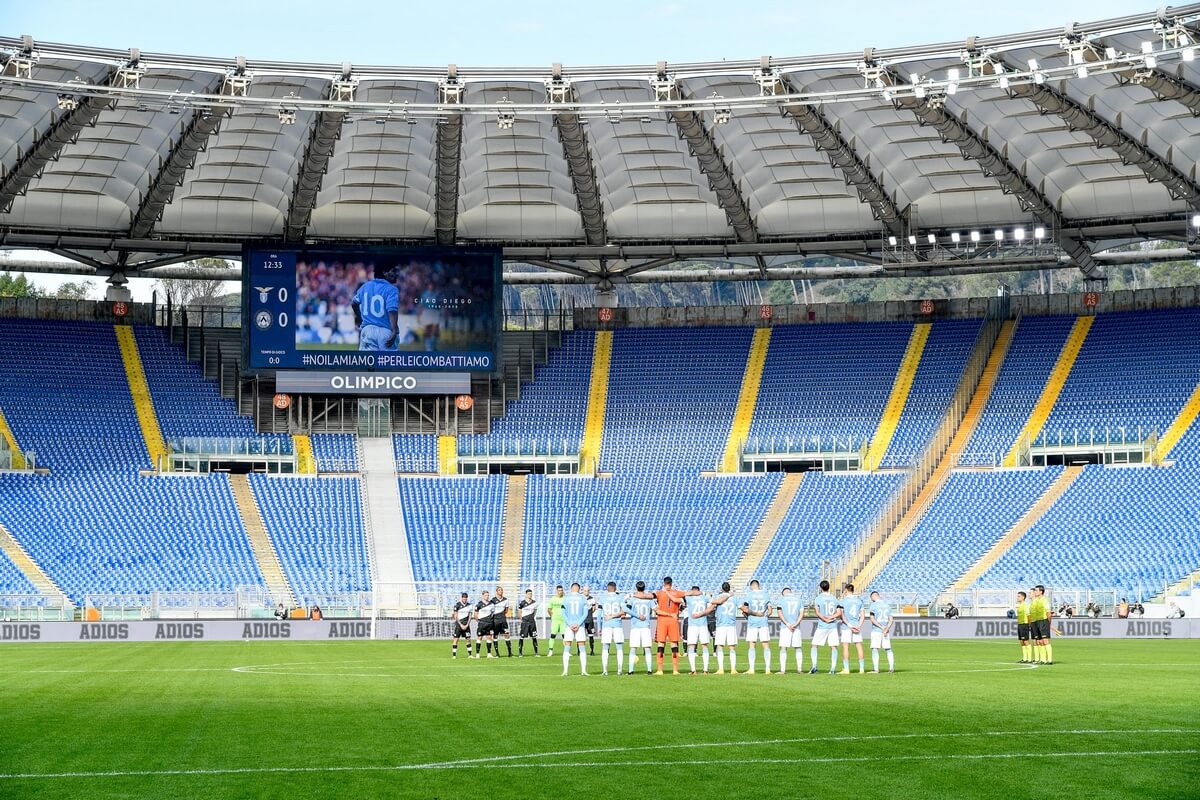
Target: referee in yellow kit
(1039,623)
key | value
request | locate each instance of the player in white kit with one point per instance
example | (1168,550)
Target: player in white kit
(725,605)
(640,611)
(697,628)
(881,632)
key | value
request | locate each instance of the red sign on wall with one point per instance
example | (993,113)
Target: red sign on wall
(764,312)
(1091,299)
(120,309)
(605,314)
(464,402)
(926,306)
(282,401)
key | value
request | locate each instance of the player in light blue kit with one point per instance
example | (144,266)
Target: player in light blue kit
(697,627)
(726,605)
(881,632)
(640,611)
(826,606)
(791,614)
(756,605)
(853,619)
(612,630)
(575,609)
(376,309)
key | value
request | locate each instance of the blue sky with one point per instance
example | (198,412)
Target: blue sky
(526,33)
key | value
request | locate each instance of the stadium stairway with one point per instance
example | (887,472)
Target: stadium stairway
(514,532)
(447,447)
(143,402)
(752,556)
(747,399)
(1171,436)
(898,398)
(21,559)
(306,463)
(874,555)
(11,440)
(593,429)
(260,540)
(1052,389)
(1019,528)
(383,521)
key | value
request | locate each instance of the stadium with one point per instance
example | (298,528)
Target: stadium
(888,358)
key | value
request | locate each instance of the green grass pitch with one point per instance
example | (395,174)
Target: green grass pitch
(301,720)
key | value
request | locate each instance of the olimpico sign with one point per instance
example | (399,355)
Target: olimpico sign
(373,383)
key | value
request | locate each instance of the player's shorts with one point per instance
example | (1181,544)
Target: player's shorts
(826,636)
(1023,631)
(483,629)
(726,636)
(1041,628)
(698,633)
(499,625)
(574,636)
(557,626)
(374,337)
(878,640)
(762,634)
(789,637)
(459,633)
(848,636)
(613,634)
(667,630)
(639,637)
(528,628)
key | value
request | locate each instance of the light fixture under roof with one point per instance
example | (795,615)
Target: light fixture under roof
(975,236)
(931,238)
(956,237)
(891,241)
(1039,233)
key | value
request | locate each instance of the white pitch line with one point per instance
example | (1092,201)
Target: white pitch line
(510,762)
(584,764)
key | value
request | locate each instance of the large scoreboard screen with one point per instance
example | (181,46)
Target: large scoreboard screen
(371,308)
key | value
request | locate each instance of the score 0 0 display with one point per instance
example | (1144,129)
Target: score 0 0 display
(371,308)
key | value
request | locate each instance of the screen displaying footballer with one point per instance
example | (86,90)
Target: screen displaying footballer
(372,308)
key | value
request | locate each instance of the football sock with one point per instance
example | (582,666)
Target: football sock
(891,659)
(833,659)
(783,659)
(591,645)
(582,659)
(660,659)
(705,659)
(753,657)
(454,649)
(477,646)
(650,663)
(692,658)
(620,657)
(566,658)
(767,658)
(674,659)
(875,660)
(535,652)
(604,659)
(1049,652)
(508,644)
(721,658)
(733,658)
(862,665)
(813,652)
(1026,654)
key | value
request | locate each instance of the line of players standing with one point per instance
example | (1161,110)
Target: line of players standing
(705,619)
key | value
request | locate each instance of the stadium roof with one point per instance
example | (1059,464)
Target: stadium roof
(1086,135)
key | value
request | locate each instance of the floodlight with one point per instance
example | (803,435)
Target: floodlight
(974,236)
(721,116)
(67,102)
(912,240)
(1039,233)
(951,88)
(1019,234)
(955,237)
(999,234)
(919,92)
(931,238)
(1003,81)
(1039,78)
(891,241)
(1033,64)
(1081,71)
(887,94)
(952,74)
(287,116)
(1150,61)
(1196,220)
(1110,53)
(505,120)
(1147,47)
(1189,54)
